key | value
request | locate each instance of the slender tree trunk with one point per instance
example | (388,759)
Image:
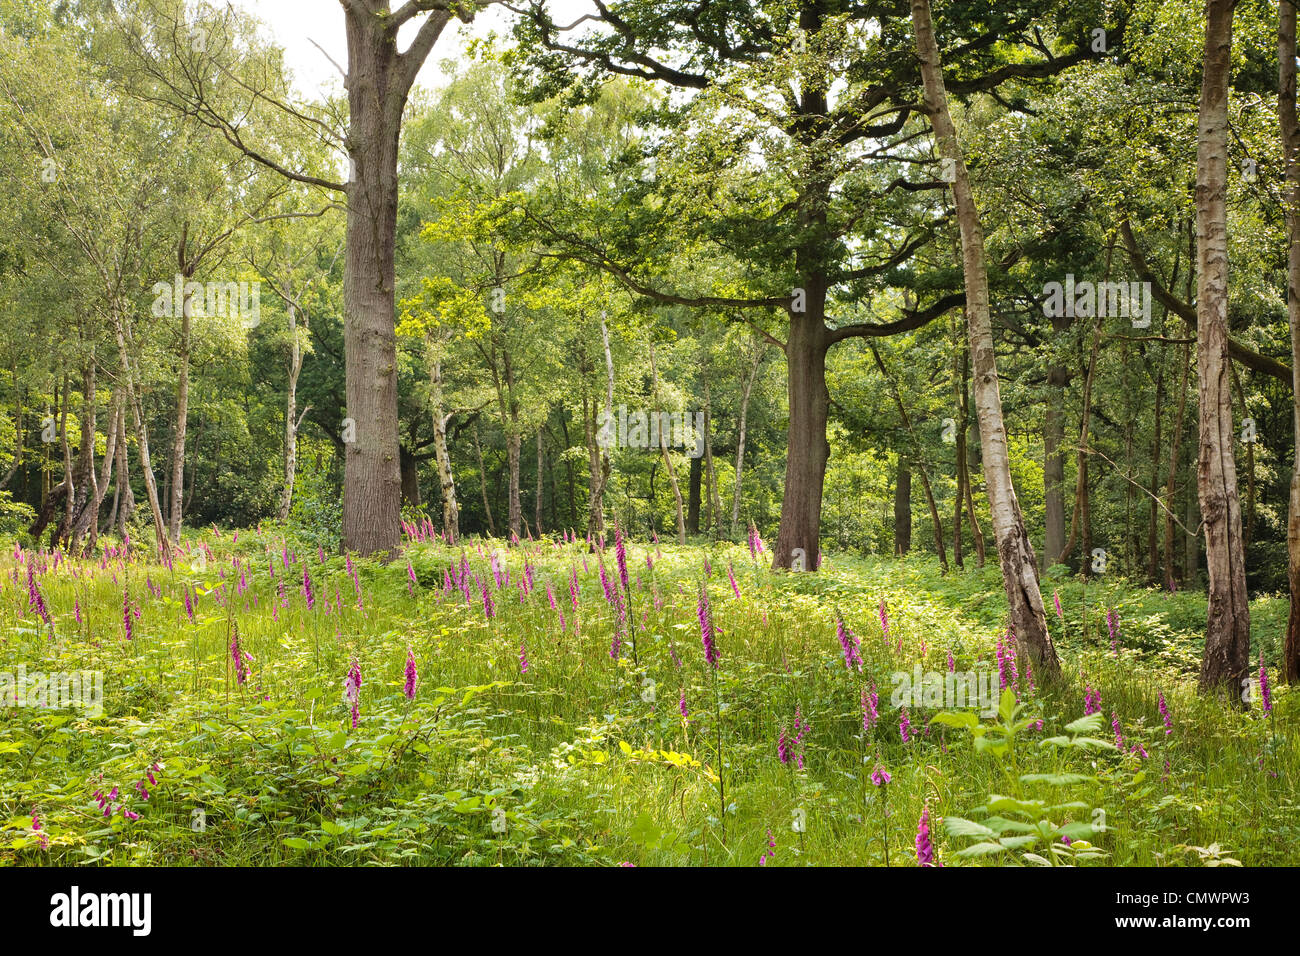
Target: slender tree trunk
(541,468)
(693,483)
(711,477)
(80,518)
(600,461)
(902,509)
(1058,377)
(1079,516)
(1175,439)
(291,420)
(759,352)
(1290,129)
(176,482)
(1153,551)
(963,459)
(1227,638)
(133,400)
(442,456)
(1015,553)
(124,497)
(668,461)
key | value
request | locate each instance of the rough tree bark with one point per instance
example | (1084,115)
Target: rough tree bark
(1227,636)
(1290,129)
(1016,554)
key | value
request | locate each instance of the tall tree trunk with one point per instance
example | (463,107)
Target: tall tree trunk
(759,352)
(378,82)
(963,458)
(807,450)
(1153,551)
(693,483)
(541,468)
(710,475)
(1290,129)
(1015,553)
(902,509)
(176,483)
(668,461)
(88,493)
(442,456)
(291,420)
(124,497)
(1058,377)
(1079,516)
(135,403)
(1175,439)
(1227,637)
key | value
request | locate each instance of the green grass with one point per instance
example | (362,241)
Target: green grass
(583,760)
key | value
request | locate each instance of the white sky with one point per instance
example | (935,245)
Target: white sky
(294,24)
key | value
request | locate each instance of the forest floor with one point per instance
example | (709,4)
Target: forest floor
(231,732)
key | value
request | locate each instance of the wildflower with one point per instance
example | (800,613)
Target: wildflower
(411,675)
(620,555)
(352,691)
(771,853)
(45,839)
(1112,625)
(1164,714)
(523,658)
(1056,598)
(880,776)
(884,620)
(731,576)
(870,714)
(782,747)
(1264,694)
(126,614)
(1114,723)
(905,727)
(850,649)
(129,814)
(239,657)
(489,609)
(681,704)
(706,627)
(924,848)
(306,588)
(1091,700)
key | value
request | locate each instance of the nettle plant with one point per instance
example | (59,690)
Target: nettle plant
(1040,831)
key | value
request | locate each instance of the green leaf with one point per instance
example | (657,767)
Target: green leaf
(960,827)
